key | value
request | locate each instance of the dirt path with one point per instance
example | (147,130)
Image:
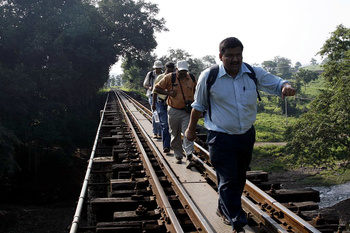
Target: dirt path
(270,143)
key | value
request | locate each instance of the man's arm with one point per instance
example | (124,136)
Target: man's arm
(146,81)
(190,132)
(154,99)
(163,92)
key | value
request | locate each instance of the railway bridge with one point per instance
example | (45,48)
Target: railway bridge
(132,186)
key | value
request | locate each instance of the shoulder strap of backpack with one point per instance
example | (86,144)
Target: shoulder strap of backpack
(253,77)
(213,73)
(173,78)
(192,77)
(151,77)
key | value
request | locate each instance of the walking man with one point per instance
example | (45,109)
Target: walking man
(159,104)
(231,104)
(148,83)
(179,87)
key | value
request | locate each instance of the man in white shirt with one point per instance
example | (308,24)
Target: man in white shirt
(231,102)
(148,83)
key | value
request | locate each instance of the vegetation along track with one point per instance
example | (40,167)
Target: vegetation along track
(130,187)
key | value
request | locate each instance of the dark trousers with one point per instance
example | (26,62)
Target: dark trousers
(231,155)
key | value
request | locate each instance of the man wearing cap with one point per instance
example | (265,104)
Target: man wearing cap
(159,104)
(179,88)
(148,83)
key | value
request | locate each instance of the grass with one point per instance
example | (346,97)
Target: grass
(313,68)
(142,93)
(270,158)
(328,177)
(271,127)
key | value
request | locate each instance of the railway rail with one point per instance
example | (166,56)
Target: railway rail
(130,186)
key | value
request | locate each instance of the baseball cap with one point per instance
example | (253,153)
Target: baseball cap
(157,64)
(170,64)
(182,65)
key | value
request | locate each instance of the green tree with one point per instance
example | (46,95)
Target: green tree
(208,61)
(297,84)
(297,66)
(270,66)
(336,53)
(175,55)
(313,61)
(306,76)
(133,25)
(322,134)
(133,78)
(54,57)
(57,53)
(196,65)
(283,67)
(135,70)
(119,80)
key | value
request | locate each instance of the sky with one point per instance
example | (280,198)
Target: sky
(294,29)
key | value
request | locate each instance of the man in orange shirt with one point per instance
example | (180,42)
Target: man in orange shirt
(180,88)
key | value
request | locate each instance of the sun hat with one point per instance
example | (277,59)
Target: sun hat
(157,64)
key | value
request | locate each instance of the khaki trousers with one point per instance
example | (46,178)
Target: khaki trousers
(178,120)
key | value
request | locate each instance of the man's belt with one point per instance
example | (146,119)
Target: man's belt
(179,108)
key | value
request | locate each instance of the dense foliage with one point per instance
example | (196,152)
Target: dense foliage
(322,134)
(54,57)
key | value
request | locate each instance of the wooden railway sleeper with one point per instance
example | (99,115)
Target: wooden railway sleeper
(185,199)
(161,198)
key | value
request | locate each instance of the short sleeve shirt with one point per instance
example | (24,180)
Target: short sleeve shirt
(188,87)
(163,97)
(150,81)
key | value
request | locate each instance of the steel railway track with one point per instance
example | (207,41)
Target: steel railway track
(136,189)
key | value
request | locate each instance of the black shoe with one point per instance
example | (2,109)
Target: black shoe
(238,229)
(190,164)
(189,156)
(221,215)
(166,150)
(178,161)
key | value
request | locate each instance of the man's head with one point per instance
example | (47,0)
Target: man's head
(231,55)
(182,68)
(169,67)
(230,42)
(158,66)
